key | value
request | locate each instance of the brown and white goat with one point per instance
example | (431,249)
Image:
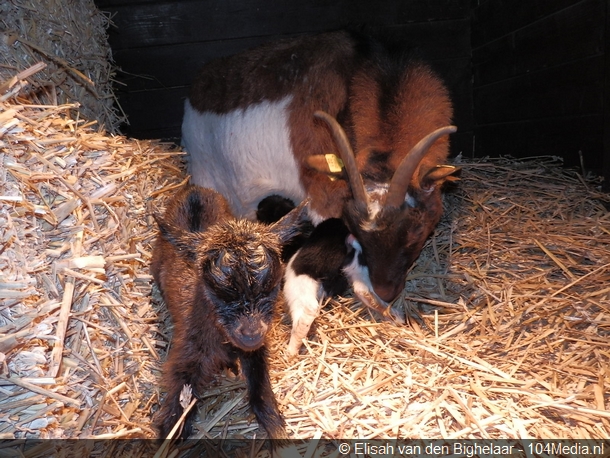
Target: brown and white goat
(220,278)
(263,122)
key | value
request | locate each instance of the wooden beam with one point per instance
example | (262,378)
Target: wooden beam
(493,19)
(563,137)
(572,89)
(568,35)
(173,21)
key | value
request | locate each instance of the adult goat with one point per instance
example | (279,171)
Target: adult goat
(271,122)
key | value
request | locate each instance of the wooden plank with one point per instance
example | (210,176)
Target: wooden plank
(572,89)
(462,143)
(493,19)
(567,35)
(387,11)
(163,133)
(448,39)
(563,137)
(420,10)
(457,76)
(154,114)
(176,65)
(173,22)
(392,12)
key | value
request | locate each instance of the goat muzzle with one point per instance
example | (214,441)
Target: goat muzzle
(249,334)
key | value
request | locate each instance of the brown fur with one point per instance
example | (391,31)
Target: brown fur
(219,278)
(327,72)
(385,102)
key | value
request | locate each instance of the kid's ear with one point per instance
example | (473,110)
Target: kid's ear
(292,224)
(185,242)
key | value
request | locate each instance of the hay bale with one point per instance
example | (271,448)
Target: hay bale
(75,234)
(70,37)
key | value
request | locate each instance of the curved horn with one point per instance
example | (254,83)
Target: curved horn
(347,155)
(402,177)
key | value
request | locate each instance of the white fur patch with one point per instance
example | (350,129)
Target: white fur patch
(303,295)
(315,217)
(357,274)
(245,154)
(376,194)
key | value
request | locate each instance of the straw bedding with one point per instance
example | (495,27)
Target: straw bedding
(513,291)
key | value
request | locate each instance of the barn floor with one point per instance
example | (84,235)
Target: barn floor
(514,290)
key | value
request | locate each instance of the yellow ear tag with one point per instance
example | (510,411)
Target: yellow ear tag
(335,164)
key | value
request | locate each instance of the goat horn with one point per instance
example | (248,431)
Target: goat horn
(402,177)
(347,155)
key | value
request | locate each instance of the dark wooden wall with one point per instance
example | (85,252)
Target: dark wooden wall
(528,77)
(160,45)
(538,70)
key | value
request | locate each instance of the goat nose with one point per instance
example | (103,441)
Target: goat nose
(387,292)
(250,332)
(250,335)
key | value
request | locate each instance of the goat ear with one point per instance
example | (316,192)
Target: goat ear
(437,175)
(292,224)
(329,164)
(183,241)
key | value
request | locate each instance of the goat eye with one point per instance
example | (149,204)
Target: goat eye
(224,263)
(410,201)
(227,294)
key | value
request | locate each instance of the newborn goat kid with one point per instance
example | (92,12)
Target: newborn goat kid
(220,279)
